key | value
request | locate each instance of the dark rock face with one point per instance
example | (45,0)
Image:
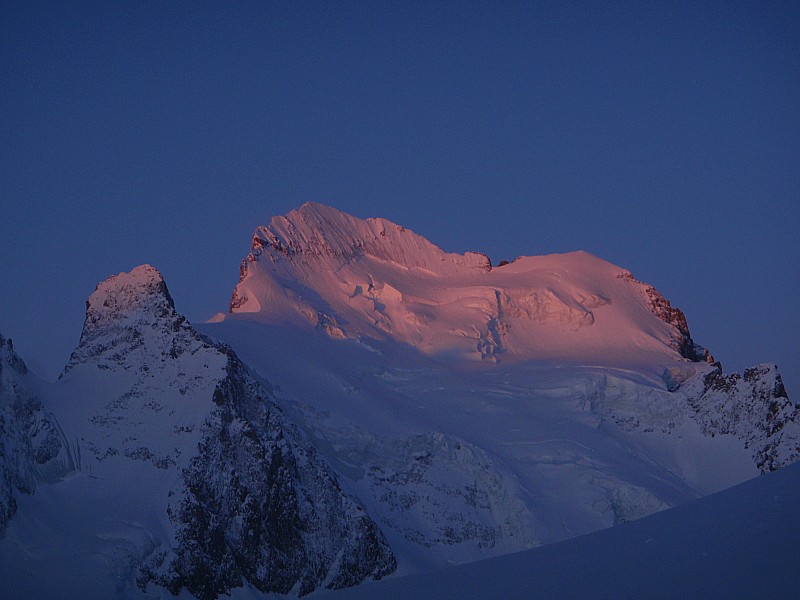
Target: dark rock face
(754,407)
(29,439)
(122,313)
(438,490)
(682,340)
(260,505)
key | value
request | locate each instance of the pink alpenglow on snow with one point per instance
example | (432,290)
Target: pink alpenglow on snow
(318,267)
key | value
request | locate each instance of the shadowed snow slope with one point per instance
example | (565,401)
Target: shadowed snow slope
(459,464)
(740,543)
(318,267)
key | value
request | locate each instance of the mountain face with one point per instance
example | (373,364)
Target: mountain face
(317,267)
(425,409)
(460,464)
(752,406)
(481,410)
(260,506)
(212,487)
(32,448)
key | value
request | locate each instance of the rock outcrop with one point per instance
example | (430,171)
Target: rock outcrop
(32,448)
(752,406)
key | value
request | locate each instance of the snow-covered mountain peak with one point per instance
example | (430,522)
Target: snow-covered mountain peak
(129,317)
(186,472)
(141,291)
(352,278)
(316,230)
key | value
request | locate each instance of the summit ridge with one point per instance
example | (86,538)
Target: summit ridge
(317,267)
(317,230)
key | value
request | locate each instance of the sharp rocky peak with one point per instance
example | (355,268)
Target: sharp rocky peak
(128,312)
(142,291)
(256,504)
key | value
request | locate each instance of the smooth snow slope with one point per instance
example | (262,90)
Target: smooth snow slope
(739,543)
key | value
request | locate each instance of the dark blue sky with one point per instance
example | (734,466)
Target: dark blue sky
(664,137)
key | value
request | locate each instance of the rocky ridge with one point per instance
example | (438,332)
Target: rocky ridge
(32,448)
(754,407)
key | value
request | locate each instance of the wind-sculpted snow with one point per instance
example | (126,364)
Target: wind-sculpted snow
(315,230)
(32,449)
(191,477)
(320,268)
